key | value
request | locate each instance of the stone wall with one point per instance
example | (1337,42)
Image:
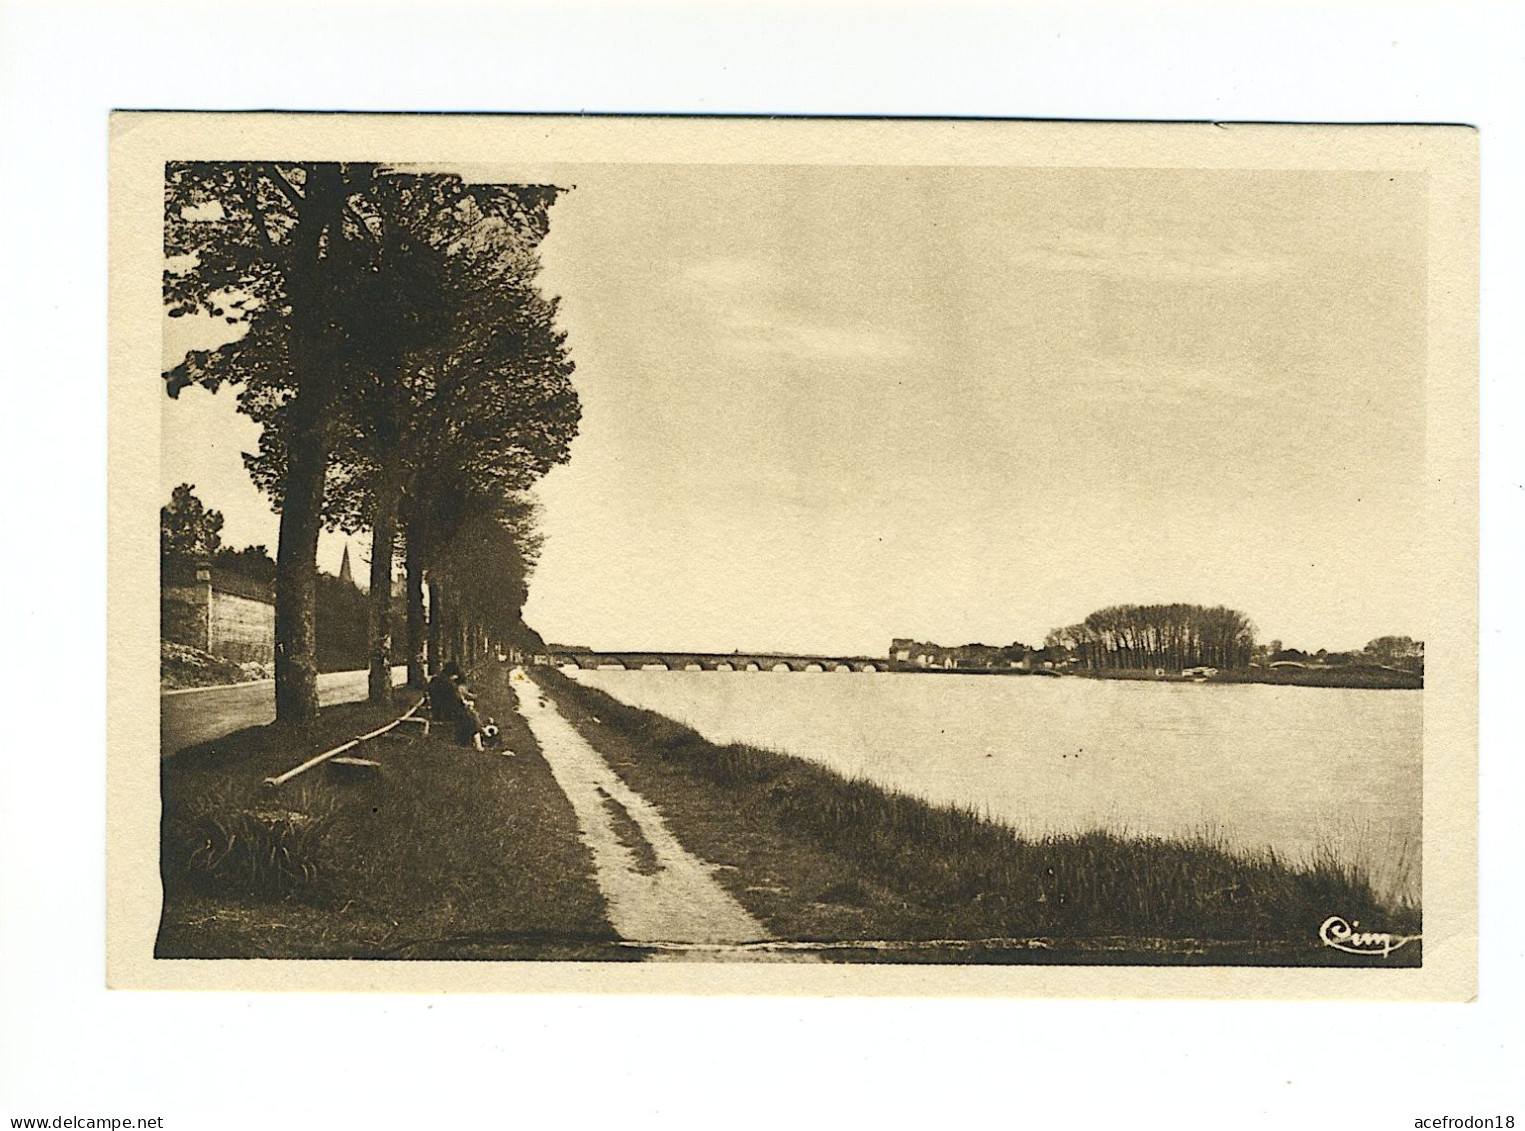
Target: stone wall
(183,613)
(231,625)
(242,630)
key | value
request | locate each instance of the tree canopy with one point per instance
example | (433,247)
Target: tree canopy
(392,337)
(188,531)
(1158,636)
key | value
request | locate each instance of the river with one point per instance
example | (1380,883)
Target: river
(1296,769)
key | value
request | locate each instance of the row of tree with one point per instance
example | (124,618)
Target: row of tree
(1402,653)
(1145,637)
(1173,637)
(408,378)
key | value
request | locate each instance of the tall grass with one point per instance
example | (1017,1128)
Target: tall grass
(258,848)
(985,876)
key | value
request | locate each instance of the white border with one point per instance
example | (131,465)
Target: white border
(236,1061)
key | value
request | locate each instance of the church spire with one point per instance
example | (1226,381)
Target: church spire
(344,570)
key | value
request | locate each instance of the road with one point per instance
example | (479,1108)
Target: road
(199,714)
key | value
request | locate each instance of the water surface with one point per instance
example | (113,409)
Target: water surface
(1296,769)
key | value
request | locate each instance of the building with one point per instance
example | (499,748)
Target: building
(220,612)
(975,657)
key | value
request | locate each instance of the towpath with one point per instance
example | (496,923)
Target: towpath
(657,892)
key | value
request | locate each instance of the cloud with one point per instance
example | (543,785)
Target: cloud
(747,306)
(771,331)
(1150,256)
(1123,378)
(728,273)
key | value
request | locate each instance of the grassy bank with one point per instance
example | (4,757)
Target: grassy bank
(443,852)
(817,856)
(1348,676)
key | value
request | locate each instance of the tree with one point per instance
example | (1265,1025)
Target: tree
(309,259)
(484,567)
(484,410)
(1395,651)
(1142,637)
(188,532)
(252,561)
(479,376)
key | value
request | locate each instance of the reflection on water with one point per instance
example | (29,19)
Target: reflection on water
(1296,769)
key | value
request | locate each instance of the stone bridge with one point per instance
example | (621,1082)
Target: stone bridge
(717,662)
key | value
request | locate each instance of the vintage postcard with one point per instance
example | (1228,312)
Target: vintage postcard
(793,556)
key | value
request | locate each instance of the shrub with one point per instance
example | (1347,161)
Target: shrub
(260,851)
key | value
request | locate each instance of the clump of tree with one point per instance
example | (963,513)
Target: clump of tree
(1402,652)
(1398,653)
(188,532)
(1146,637)
(393,340)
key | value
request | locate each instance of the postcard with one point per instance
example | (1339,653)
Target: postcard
(805,556)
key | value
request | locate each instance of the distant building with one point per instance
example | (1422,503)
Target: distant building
(220,612)
(984,657)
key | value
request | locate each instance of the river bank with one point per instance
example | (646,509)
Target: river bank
(1349,677)
(442,852)
(880,875)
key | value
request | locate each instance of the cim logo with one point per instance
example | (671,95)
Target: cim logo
(1337,933)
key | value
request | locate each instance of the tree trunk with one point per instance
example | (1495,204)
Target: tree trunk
(314,349)
(417,639)
(296,564)
(383,543)
(436,625)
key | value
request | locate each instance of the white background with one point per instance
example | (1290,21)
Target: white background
(67,1047)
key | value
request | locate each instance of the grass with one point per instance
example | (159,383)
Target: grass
(818,856)
(1359,676)
(1356,676)
(444,852)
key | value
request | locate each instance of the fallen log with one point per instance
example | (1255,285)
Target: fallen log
(319,759)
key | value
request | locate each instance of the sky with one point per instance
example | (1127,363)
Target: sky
(824,407)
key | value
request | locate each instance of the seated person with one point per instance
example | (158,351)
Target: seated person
(450,704)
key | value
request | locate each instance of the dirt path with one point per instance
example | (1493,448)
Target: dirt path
(657,892)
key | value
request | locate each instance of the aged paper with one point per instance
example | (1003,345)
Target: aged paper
(1285,314)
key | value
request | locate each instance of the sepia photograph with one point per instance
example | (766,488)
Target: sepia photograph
(749,549)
